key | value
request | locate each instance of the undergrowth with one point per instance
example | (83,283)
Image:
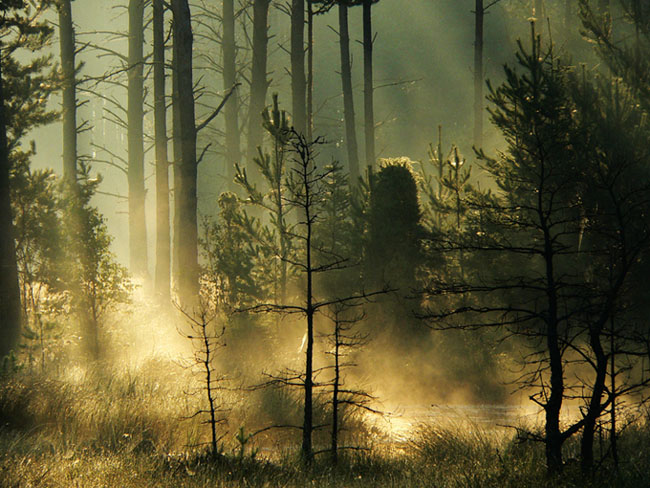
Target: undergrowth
(132,429)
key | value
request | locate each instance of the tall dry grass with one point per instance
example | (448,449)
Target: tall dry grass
(129,428)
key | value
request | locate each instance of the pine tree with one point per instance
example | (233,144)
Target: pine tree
(69,89)
(231,113)
(529,228)
(270,197)
(298,81)
(138,253)
(24,90)
(185,164)
(259,82)
(163,244)
(89,271)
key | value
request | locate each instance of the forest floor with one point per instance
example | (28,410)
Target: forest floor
(130,431)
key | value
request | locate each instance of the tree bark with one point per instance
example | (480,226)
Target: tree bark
(69,119)
(479,13)
(231,109)
(309,353)
(612,375)
(69,103)
(135,117)
(335,392)
(259,83)
(10,317)
(298,82)
(368,84)
(310,70)
(595,401)
(188,284)
(176,166)
(162,276)
(554,438)
(348,96)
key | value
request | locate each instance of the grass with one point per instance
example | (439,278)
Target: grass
(126,429)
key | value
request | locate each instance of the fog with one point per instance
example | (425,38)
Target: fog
(423,77)
(469,300)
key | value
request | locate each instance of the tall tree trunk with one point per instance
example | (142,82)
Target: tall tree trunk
(162,277)
(348,97)
(188,285)
(9,289)
(298,82)
(308,426)
(595,401)
(310,70)
(69,104)
(553,434)
(176,166)
(612,374)
(135,136)
(335,392)
(368,84)
(478,74)
(78,253)
(259,83)
(233,142)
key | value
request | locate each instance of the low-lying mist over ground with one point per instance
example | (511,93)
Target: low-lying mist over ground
(324,243)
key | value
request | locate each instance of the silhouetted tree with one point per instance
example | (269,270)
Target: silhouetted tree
(394,229)
(533,224)
(231,112)
(479,13)
(335,232)
(35,206)
(628,59)
(259,82)
(314,8)
(69,90)
(207,339)
(185,194)
(368,85)
(616,239)
(271,198)
(97,284)
(309,108)
(343,342)
(186,160)
(24,90)
(135,136)
(231,255)
(446,189)
(176,166)
(305,194)
(163,237)
(298,81)
(566,233)
(10,304)
(348,96)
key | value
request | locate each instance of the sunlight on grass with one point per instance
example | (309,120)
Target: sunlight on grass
(129,428)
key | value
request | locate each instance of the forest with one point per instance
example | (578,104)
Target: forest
(324,243)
